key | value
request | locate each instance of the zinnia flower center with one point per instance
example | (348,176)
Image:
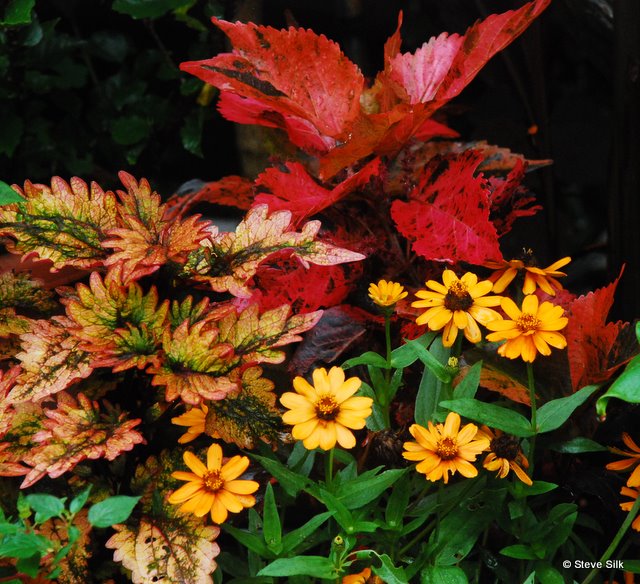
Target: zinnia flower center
(447,448)
(528,323)
(505,446)
(213,480)
(458,298)
(327,407)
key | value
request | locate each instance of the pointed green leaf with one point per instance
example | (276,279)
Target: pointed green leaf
(626,387)
(368,358)
(112,510)
(494,416)
(577,445)
(271,528)
(397,503)
(406,354)
(430,388)
(443,575)
(362,490)
(520,552)
(469,385)
(45,506)
(556,412)
(8,195)
(293,539)
(250,540)
(79,500)
(315,566)
(290,481)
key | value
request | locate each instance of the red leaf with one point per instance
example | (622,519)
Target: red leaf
(596,349)
(296,74)
(231,191)
(447,215)
(294,189)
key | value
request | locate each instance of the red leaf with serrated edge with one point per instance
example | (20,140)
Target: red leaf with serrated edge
(593,345)
(509,200)
(74,431)
(413,86)
(292,75)
(447,215)
(288,283)
(292,188)
(230,191)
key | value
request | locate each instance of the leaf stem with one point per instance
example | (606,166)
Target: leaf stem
(534,420)
(328,468)
(615,541)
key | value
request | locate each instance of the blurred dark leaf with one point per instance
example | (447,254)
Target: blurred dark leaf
(18,12)
(148,8)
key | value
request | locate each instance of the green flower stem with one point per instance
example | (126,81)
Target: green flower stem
(615,541)
(534,410)
(384,400)
(328,468)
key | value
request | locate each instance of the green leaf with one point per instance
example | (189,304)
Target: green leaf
(494,416)
(626,387)
(24,545)
(406,354)
(191,132)
(375,421)
(148,8)
(397,503)
(8,195)
(29,566)
(577,445)
(632,566)
(298,536)
(362,490)
(520,552)
(434,359)
(79,500)
(18,12)
(556,412)
(130,130)
(250,540)
(521,490)
(112,510)
(271,527)
(547,574)
(45,506)
(428,398)
(389,573)
(469,385)
(368,358)
(315,566)
(342,515)
(443,575)
(290,481)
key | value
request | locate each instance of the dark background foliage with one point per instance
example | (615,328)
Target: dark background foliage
(90,88)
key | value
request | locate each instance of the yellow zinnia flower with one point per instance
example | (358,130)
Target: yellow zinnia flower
(359,578)
(445,448)
(323,413)
(194,419)
(534,277)
(505,455)
(456,305)
(626,506)
(531,331)
(386,293)
(633,459)
(215,487)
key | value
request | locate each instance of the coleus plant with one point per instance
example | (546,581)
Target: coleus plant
(165,311)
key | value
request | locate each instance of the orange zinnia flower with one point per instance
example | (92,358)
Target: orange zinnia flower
(445,448)
(359,578)
(505,455)
(386,293)
(325,413)
(457,304)
(534,277)
(214,488)
(633,459)
(194,419)
(531,331)
(627,505)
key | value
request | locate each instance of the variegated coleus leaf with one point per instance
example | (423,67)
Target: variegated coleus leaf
(167,548)
(247,416)
(195,364)
(7,410)
(51,360)
(227,261)
(164,545)
(145,240)
(18,292)
(64,223)
(255,336)
(77,430)
(118,324)
(25,421)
